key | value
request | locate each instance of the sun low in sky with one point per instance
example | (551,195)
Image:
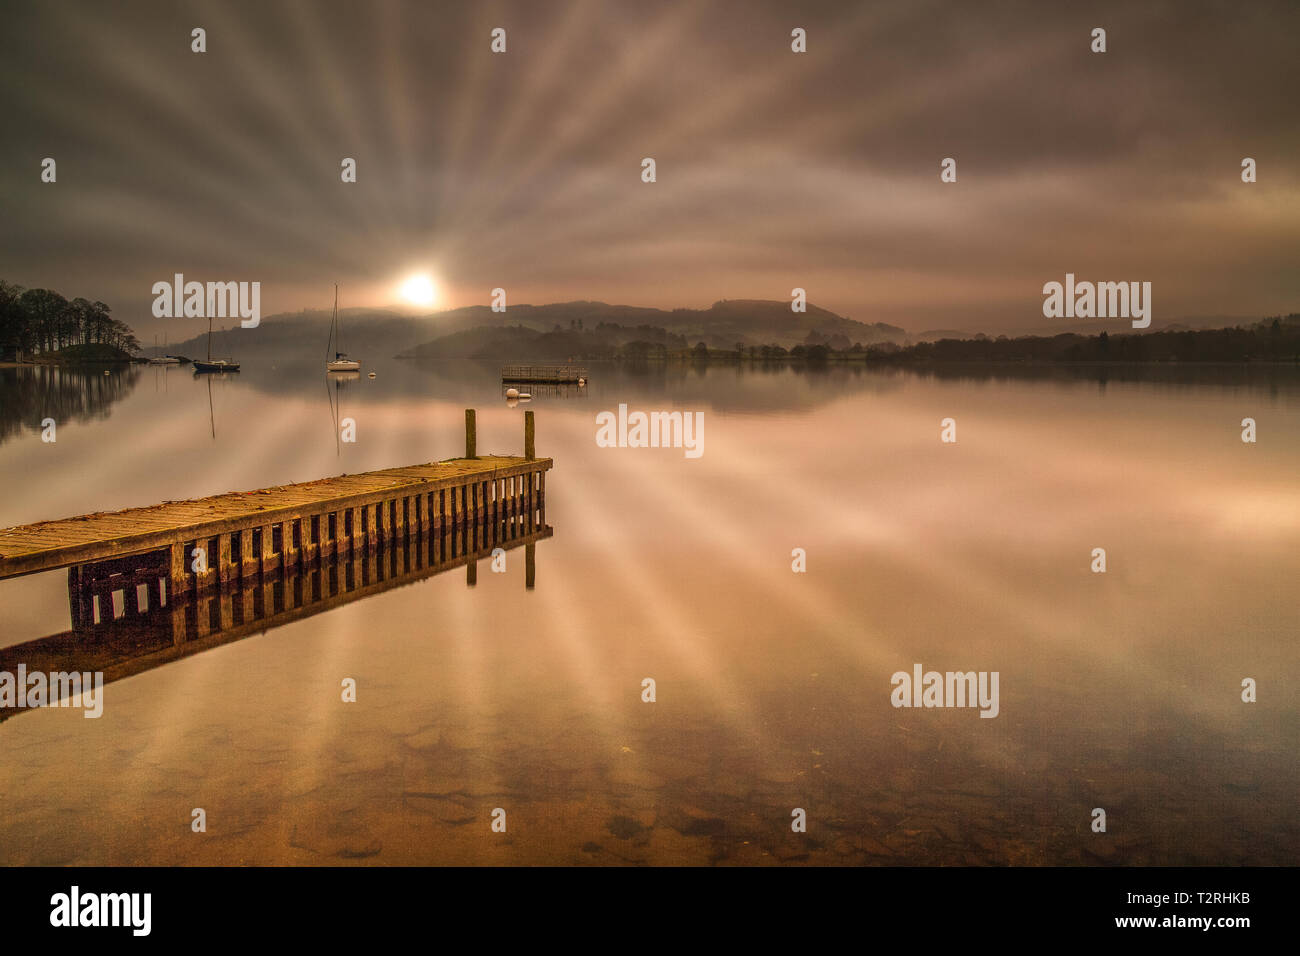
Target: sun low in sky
(419,290)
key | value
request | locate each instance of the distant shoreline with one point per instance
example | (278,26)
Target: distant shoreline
(53,362)
(909,363)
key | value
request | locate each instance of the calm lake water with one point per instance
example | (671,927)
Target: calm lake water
(1119,690)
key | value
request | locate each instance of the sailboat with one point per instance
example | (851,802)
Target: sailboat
(341,362)
(163,359)
(220,365)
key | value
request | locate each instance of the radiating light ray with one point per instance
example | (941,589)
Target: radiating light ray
(179,109)
(735,100)
(645,589)
(318,45)
(670,29)
(549,64)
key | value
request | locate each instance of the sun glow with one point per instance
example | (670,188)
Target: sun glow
(419,290)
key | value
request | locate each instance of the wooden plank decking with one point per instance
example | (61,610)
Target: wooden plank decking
(459,490)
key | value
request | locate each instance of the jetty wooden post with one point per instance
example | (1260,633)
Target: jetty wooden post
(328,543)
(530,449)
(225,565)
(78,606)
(176,576)
(248,562)
(208,576)
(268,549)
(471,434)
(354,535)
(75,602)
(287,550)
(311,535)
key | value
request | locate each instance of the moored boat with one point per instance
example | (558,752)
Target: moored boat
(341,362)
(220,365)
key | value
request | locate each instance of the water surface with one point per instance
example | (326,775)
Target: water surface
(1118,690)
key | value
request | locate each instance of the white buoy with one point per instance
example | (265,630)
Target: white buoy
(372,374)
(512,393)
(581,382)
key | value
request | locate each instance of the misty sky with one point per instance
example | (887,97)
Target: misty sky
(775,169)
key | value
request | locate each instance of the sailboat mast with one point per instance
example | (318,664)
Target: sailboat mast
(209,338)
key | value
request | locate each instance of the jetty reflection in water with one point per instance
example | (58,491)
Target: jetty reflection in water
(125,621)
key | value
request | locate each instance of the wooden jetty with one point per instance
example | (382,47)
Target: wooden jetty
(551,374)
(207,542)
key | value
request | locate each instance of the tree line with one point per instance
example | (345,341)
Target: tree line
(1272,340)
(40,320)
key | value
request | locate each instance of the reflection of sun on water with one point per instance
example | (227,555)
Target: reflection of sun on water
(419,290)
